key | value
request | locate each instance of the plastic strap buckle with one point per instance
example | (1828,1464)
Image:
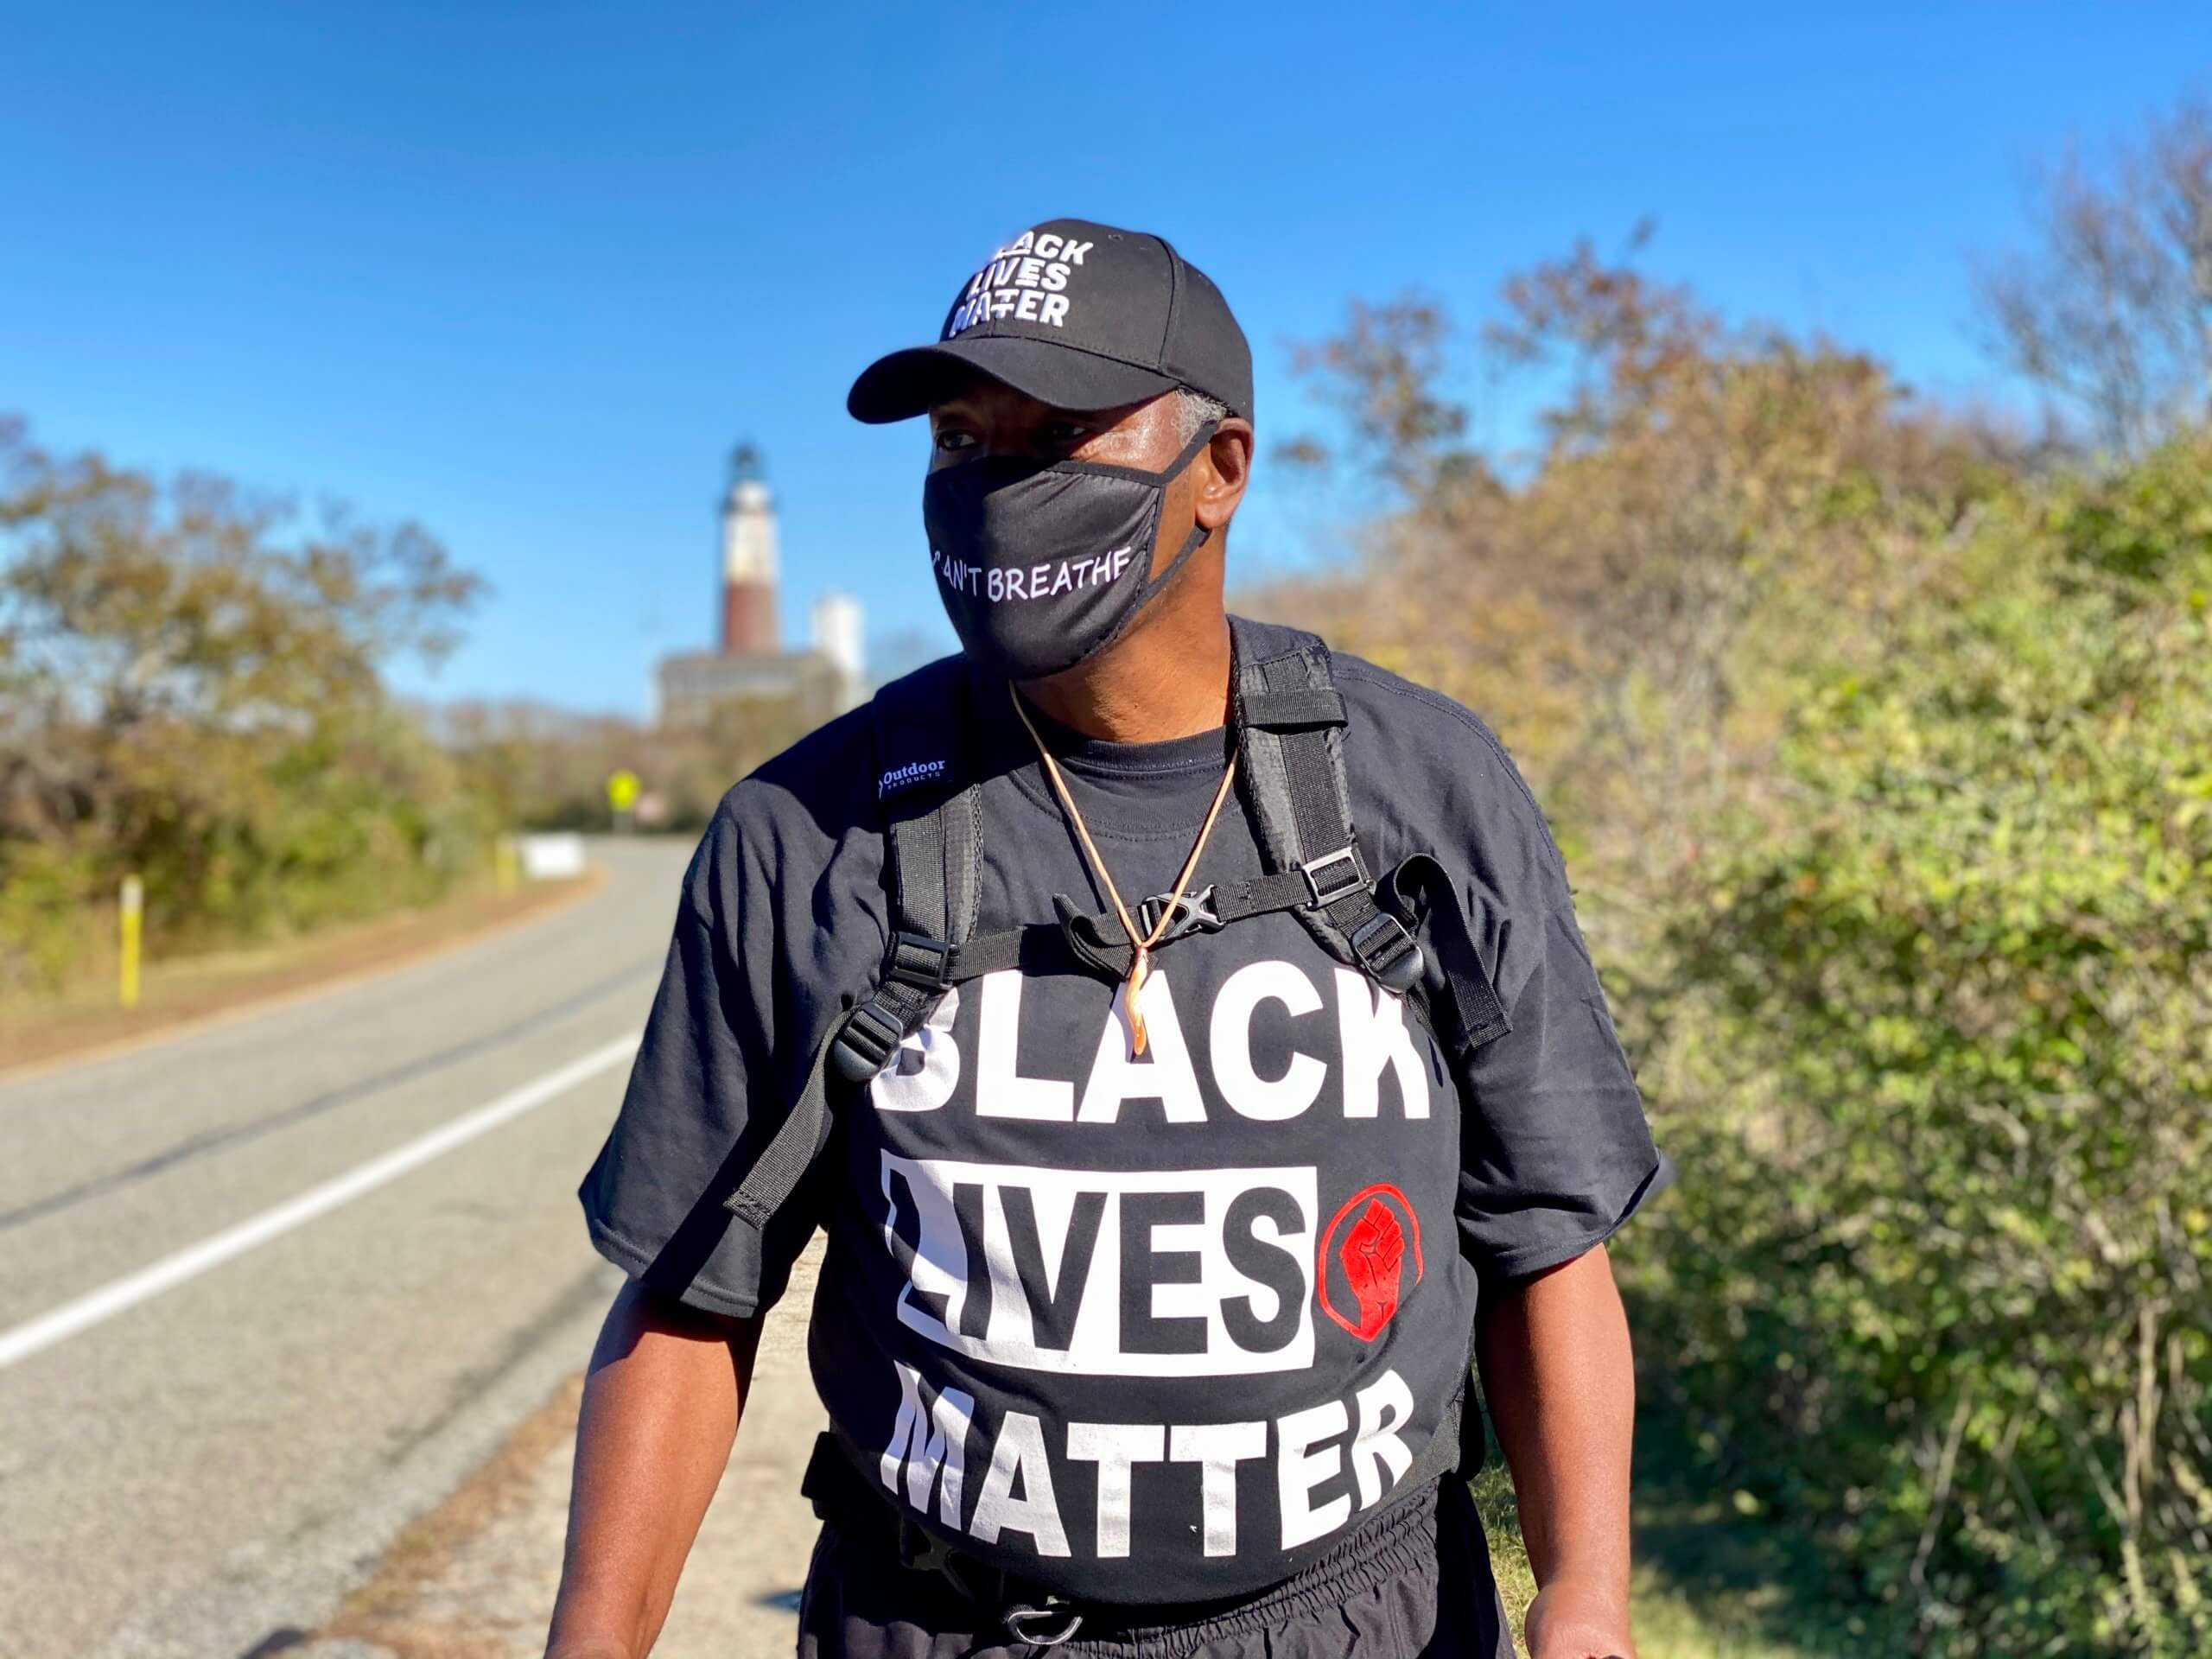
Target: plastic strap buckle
(1332,875)
(921,1550)
(916,969)
(866,1042)
(1388,951)
(1194,913)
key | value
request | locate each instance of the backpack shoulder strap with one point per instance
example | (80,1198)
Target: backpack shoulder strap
(1293,722)
(932,847)
(1294,730)
(931,850)
(928,799)
(1294,726)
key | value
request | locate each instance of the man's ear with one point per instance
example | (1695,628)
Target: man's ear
(1220,474)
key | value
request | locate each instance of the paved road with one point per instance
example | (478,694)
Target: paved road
(210,1469)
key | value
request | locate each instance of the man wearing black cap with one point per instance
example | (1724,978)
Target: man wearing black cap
(1182,1035)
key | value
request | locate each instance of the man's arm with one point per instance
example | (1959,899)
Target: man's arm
(660,1412)
(1560,1384)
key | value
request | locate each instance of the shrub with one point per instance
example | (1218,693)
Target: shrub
(190,691)
(1934,1043)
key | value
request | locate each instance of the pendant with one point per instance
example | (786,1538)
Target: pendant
(1129,1010)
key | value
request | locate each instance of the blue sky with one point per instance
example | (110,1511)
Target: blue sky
(526,271)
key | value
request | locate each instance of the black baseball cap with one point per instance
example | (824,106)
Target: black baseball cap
(1078,315)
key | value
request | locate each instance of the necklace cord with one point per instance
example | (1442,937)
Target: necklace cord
(1139,959)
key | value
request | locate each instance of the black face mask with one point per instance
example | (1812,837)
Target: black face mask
(1042,565)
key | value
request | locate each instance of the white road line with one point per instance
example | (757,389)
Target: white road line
(170,1271)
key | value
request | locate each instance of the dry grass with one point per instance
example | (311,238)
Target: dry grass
(1668,1624)
(174,995)
(400,1610)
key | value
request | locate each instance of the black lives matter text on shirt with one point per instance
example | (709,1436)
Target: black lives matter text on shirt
(1062,1223)
(1146,1329)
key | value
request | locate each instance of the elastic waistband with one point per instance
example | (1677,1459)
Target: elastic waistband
(1399,1537)
(1396,1540)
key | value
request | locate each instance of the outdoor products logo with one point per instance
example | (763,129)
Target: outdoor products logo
(1025,281)
(1371,1259)
(914,772)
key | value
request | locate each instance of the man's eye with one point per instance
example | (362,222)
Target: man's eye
(1064,434)
(950,440)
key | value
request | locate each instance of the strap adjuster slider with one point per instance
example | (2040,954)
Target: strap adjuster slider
(918,961)
(1332,875)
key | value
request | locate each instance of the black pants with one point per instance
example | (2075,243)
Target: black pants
(1414,1583)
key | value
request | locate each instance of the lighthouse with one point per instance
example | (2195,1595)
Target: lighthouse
(750,665)
(748,557)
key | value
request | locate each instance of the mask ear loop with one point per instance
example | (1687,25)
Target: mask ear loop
(1199,439)
(1160,481)
(1197,538)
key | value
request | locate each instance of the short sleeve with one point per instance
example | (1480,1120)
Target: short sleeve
(1555,1151)
(705,1093)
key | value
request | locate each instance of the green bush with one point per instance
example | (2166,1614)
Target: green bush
(1881,753)
(1934,1043)
(48,905)
(191,691)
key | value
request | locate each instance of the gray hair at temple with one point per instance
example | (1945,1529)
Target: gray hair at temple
(1193,410)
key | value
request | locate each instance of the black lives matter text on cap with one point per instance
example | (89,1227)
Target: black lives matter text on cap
(1077,315)
(1025,280)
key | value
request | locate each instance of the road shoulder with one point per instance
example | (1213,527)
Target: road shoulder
(475,1578)
(202,993)
(274,1597)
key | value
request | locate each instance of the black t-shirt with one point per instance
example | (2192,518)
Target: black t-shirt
(1152,1329)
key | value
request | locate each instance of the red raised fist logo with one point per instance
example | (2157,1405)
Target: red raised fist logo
(1372,1257)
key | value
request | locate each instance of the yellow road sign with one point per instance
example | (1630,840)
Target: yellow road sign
(622,789)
